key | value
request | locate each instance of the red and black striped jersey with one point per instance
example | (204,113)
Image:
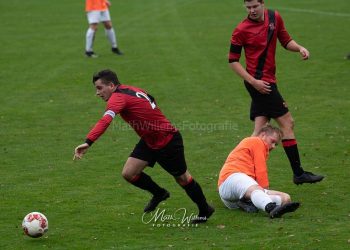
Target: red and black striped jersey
(252,36)
(141,112)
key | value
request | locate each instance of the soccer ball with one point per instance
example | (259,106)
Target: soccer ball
(35,224)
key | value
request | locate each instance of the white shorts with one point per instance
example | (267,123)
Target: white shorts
(97,16)
(234,188)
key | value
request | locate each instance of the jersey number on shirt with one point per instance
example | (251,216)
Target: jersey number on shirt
(143,95)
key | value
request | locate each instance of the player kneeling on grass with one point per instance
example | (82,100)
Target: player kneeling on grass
(243,180)
(160,141)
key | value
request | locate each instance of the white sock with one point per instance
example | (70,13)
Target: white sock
(111,37)
(90,34)
(260,199)
(277,199)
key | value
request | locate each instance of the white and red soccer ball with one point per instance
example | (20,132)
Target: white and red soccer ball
(35,224)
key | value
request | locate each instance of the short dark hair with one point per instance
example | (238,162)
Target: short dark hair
(269,129)
(106,76)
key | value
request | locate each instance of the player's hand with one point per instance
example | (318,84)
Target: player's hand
(80,151)
(305,54)
(262,86)
(108,3)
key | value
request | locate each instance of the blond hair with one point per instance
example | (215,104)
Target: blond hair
(269,129)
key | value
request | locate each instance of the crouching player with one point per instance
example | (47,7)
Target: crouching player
(243,180)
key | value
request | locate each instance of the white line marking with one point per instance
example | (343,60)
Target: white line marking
(314,12)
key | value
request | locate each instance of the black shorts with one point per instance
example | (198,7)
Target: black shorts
(269,105)
(171,157)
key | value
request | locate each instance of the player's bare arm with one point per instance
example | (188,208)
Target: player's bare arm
(262,86)
(295,47)
(80,150)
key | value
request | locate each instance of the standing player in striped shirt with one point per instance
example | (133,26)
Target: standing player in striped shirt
(160,141)
(244,176)
(97,11)
(258,35)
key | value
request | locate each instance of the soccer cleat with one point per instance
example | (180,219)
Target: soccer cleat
(91,54)
(278,211)
(247,206)
(270,206)
(154,202)
(203,216)
(117,51)
(307,177)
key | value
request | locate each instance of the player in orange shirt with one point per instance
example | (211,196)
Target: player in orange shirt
(97,11)
(244,176)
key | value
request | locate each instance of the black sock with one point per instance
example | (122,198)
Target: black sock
(145,182)
(270,206)
(290,146)
(194,191)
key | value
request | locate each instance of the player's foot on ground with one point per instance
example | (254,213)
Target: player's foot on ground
(91,54)
(117,51)
(347,56)
(247,206)
(307,177)
(203,216)
(278,211)
(154,202)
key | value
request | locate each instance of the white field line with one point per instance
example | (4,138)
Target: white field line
(314,12)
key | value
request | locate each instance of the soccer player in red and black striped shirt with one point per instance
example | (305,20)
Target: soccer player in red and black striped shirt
(259,76)
(160,141)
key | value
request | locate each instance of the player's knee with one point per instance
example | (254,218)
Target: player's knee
(93,27)
(288,126)
(108,25)
(127,175)
(251,189)
(184,179)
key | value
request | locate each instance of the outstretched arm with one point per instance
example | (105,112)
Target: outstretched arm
(94,134)
(295,47)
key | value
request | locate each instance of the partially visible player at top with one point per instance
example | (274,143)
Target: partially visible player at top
(244,176)
(260,80)
(160,141)
(97,11)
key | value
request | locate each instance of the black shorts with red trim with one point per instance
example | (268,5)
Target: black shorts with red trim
(270,105)
(171,157)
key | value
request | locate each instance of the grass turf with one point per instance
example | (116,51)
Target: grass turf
(177,50)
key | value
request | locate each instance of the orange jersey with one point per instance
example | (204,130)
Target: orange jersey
(100,5)
(249,157)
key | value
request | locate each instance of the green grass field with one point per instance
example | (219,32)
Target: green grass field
(177,50)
